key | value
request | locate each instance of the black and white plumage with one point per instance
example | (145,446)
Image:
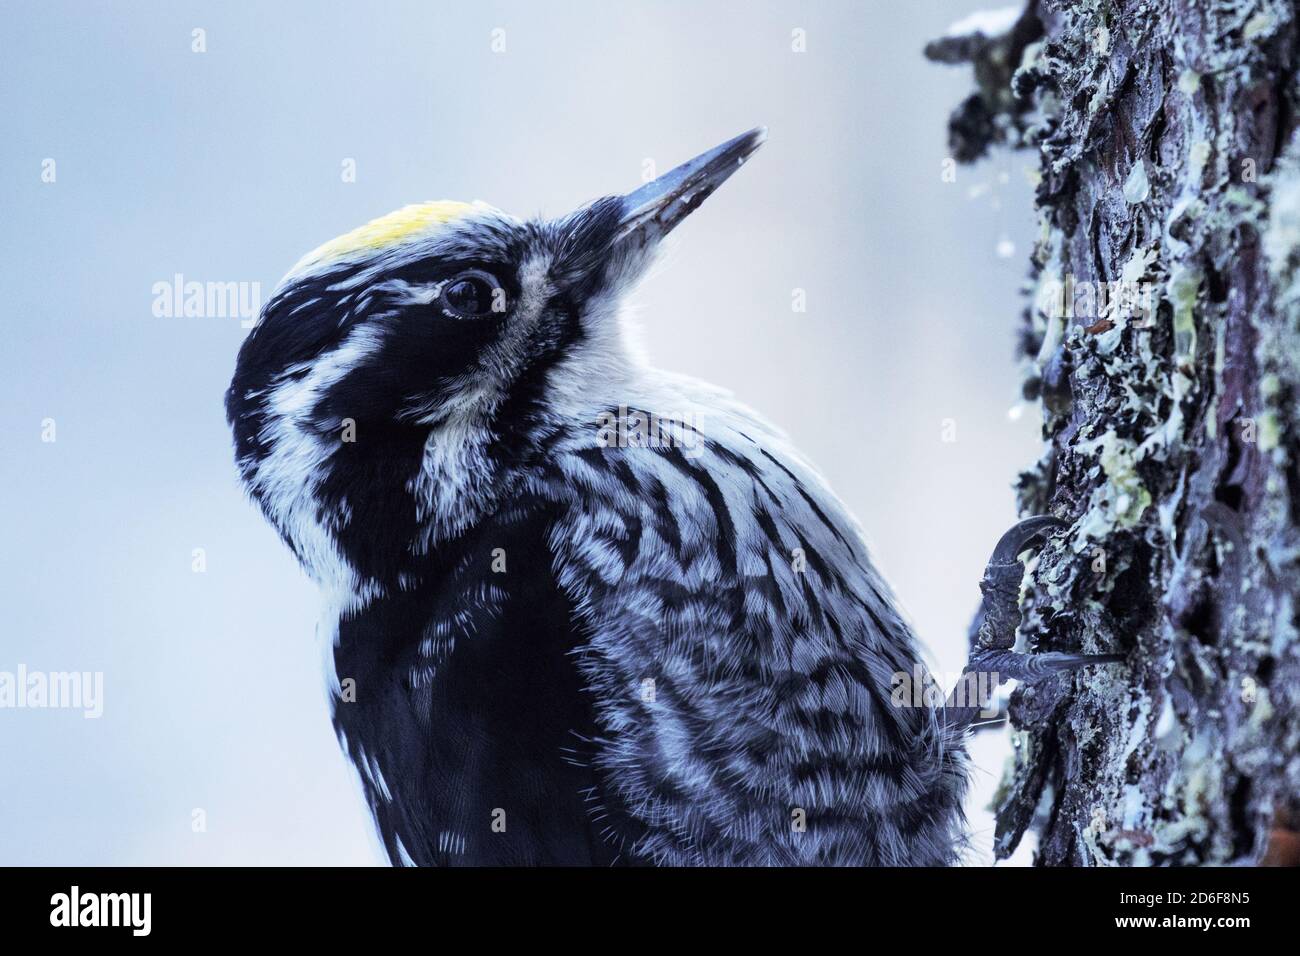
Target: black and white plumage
(563,652)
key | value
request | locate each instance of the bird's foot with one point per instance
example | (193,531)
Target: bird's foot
(1009,665)
(992,660)
(996,636)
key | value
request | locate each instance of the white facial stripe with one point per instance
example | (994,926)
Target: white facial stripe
(287,479)
(401,292)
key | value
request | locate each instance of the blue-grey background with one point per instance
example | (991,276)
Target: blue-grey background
(225,166)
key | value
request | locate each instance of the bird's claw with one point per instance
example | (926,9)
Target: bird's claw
(1000,613)
(992,659)
(1020,536)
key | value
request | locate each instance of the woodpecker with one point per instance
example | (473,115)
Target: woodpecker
(579,610)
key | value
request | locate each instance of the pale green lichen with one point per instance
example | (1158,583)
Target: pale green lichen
(1198,155)
(1188,795)
(1183,286)
(1259,25)
(1269,430)
(1159,745)
(1121,502)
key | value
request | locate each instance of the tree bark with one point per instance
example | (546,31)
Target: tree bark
(1162,336)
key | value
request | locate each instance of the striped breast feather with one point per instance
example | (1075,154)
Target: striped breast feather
(742,651)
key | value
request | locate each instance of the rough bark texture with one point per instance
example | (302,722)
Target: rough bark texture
(1164,132)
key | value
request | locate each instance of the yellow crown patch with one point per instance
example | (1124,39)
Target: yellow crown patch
(396,227)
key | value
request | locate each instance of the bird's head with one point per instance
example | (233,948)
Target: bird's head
(433,343)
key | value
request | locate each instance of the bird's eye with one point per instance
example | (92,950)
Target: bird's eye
(472,295)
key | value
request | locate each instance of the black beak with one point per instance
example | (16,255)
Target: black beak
(651,212)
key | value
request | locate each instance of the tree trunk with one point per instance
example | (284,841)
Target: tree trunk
(1162,336)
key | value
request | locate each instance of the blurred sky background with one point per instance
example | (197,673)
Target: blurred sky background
(226,166)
